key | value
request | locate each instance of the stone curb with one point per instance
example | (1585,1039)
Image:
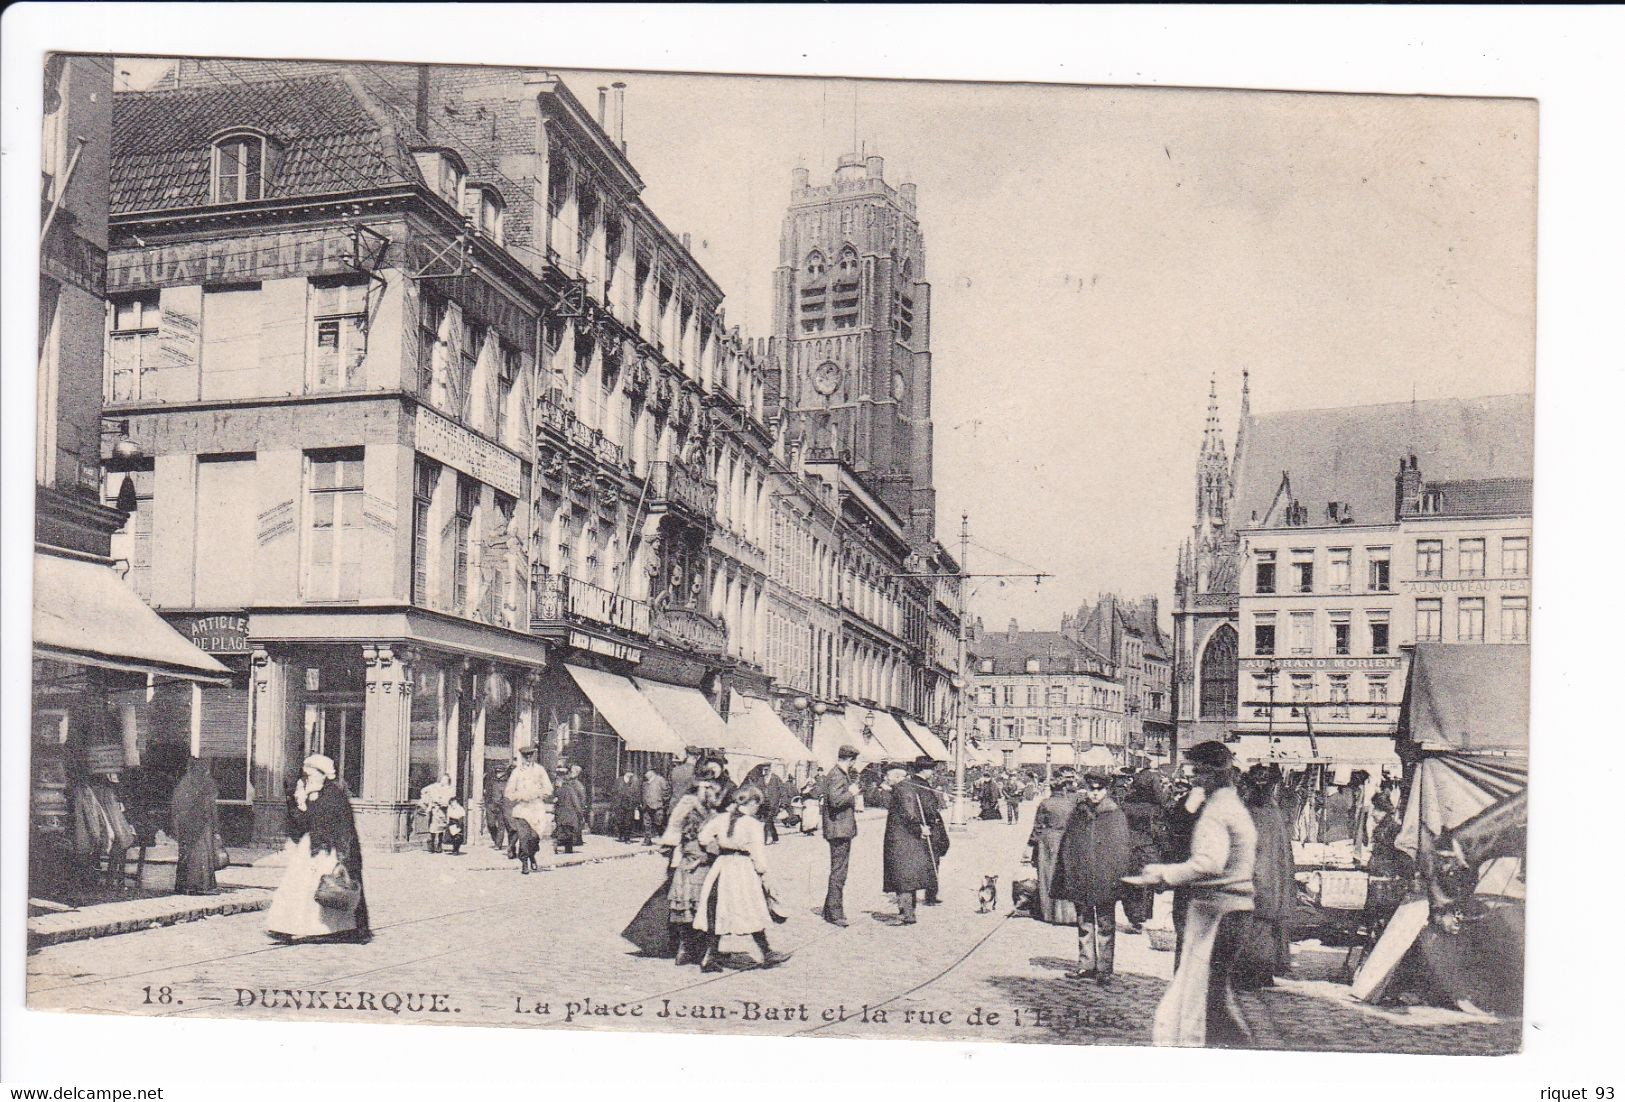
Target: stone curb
(41,934)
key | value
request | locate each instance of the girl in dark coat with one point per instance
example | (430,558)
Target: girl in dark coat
(569,812)
(194,821)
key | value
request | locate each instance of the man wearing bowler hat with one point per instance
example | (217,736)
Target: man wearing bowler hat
(916,837)
(838,794)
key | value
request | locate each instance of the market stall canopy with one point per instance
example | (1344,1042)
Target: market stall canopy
(1449,790)
(1471,698)
(84,614)
(755,723)
(934,748)
(690,716)
(626,710)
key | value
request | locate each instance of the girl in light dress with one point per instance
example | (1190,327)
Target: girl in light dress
(734,899)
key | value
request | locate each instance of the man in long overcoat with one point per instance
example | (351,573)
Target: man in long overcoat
(916,838)
(837,794)
(682,777)
(1094,856)
(1049,825)
(655,804)
(1143,806)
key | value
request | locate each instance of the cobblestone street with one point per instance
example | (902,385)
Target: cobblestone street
(503,949)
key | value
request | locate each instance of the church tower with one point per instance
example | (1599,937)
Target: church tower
(852,321)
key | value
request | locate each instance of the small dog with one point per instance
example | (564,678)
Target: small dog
(987,894)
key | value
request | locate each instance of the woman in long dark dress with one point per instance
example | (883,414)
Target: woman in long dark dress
(321,836)
(1265,951)
(194,822)
(664,927)
(570,812)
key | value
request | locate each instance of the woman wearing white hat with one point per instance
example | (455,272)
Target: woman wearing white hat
(324,852)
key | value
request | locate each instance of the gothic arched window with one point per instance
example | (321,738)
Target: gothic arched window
(815,264)
(1218,675)
(848,267)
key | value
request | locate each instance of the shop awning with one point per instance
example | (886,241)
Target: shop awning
(626,710)
(934,748)
(1033,753)
(689,715)
(1470,698)
(85,614)
(754,722)
(1344,753)
(836,729)
(894,742)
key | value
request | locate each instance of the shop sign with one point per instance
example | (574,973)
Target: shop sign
(440,438)
(231,260)
(1391,663)
(1465,585)
(217,633)
(609,648)
(690,630)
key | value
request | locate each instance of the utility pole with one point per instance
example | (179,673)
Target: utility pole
(961,680)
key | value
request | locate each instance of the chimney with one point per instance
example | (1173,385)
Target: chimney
(688,240)
(875,167)
(620,114)
(800,179)
(1407,488)
(907,193)
(603,101)
(421,121)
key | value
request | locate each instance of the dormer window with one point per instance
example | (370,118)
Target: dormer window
(239,168)
(444,171)
(451,180)
(484,207)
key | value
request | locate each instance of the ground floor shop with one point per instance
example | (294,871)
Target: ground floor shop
(115,707)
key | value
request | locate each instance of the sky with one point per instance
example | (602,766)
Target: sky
(1097,254)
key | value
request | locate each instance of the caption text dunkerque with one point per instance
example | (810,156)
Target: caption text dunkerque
(587,1010)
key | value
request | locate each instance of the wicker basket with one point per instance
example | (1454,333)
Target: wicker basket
(1161,937)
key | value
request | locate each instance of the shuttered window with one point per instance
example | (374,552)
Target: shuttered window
(225,737)
(232,319)
(224,568)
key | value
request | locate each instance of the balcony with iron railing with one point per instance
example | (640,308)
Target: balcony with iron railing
(674,484)
(559,601)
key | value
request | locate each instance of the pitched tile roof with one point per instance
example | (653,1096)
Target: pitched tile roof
(1485,497)
(1056,652)
(328,138)
(1350,454)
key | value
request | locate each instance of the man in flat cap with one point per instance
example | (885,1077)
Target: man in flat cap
(837,795)
(1199,1007)
(916,838)
(1090,862)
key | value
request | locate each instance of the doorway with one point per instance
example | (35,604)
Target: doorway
(334,728)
